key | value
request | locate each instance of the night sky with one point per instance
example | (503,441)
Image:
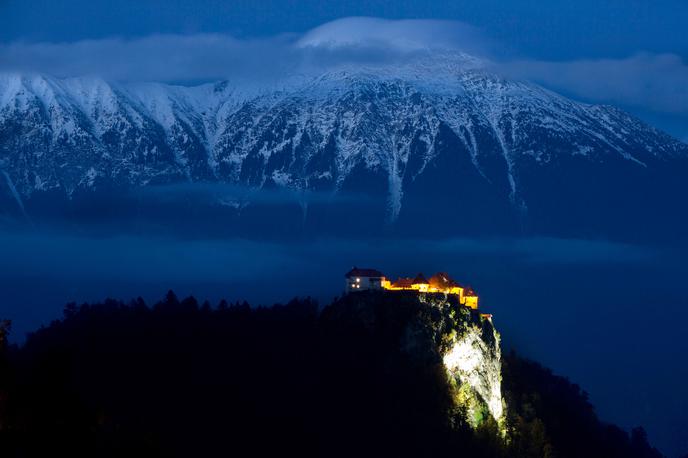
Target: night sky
(609,316)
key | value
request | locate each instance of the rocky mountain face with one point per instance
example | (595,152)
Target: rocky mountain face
(437,146)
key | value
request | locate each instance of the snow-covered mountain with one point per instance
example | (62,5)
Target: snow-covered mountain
(440,141)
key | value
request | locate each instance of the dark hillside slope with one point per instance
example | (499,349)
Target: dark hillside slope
(183,379)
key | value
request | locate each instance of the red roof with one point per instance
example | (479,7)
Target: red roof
(420,278)
(442,280)
(356,272)
(403,283)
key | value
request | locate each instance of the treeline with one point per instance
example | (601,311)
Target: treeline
(181,378)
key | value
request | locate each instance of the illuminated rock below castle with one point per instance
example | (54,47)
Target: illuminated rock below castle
(441,326)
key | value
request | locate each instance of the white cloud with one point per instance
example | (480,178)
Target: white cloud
(406,35)
(152,58)
(217,56)
(655,82)
(658,82)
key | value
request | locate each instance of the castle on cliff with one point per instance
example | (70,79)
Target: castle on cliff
(370,279)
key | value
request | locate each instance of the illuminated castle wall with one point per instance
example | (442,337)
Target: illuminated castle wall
(371,279)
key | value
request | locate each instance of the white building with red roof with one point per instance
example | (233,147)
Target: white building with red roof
(363,279)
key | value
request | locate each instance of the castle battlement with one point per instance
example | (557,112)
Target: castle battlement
(371,279)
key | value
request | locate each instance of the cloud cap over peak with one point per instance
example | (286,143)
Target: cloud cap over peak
(403,34)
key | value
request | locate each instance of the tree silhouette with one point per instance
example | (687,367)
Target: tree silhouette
(5,328)
(176,379)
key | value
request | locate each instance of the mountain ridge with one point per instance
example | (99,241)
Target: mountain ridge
(392,135)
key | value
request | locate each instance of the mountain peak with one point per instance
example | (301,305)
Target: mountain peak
(400,134)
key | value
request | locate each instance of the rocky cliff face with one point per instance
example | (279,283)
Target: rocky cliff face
(435,330)
(473,361)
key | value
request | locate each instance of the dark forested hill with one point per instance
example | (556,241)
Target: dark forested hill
(183,379)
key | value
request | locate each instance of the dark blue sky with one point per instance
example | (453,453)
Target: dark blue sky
(556,29)
(630,53)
